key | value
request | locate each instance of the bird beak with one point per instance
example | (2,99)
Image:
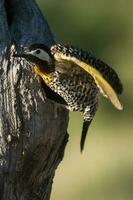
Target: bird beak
(25,55)
(22,55)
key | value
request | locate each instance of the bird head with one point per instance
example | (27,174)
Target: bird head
(39,56)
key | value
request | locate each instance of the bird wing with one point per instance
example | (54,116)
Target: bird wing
(107,86)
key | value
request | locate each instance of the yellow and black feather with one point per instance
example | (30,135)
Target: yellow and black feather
(73,77)
(105,77)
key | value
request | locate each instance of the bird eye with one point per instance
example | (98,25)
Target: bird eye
(38,51)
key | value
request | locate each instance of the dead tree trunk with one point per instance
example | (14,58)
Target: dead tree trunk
(32,128)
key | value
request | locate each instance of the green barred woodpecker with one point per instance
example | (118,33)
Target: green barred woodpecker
(74,78)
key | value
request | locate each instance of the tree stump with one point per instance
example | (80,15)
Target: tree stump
(33,132)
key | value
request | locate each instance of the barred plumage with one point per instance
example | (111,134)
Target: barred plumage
(74,78)
(108,73)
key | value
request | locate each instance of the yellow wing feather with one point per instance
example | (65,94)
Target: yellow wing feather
(104,87)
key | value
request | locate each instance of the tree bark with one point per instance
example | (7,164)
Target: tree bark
(32,128)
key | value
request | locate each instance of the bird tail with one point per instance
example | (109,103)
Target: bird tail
(86,125)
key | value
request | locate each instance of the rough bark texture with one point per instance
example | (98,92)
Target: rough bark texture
(32,128)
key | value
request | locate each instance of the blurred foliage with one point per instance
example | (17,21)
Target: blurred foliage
(104,170)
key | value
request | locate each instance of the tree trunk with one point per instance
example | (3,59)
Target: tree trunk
(32,128)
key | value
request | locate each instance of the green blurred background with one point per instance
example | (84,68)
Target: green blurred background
(105,169)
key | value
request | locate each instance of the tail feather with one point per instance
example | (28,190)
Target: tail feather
(86,125)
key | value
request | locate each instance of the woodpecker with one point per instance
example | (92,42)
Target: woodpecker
(74,78)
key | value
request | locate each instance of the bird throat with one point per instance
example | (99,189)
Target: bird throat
(42,74)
